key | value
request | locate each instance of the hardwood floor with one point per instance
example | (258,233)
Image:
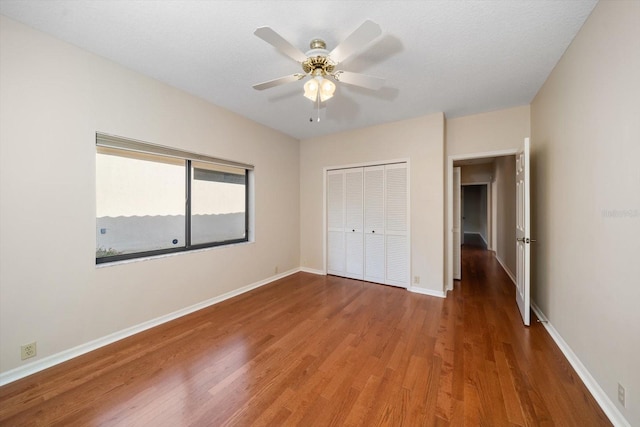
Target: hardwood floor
(313,350)
(474,239)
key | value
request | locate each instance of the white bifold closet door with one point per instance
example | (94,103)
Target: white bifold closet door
(374,242)
(396,225)
(336,255)
(367,223)
(354,218)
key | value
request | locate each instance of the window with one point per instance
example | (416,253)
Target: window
(153,200)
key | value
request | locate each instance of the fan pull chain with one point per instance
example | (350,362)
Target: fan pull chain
(318,113)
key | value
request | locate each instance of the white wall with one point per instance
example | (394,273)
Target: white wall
(585,125)
(421,140)
(53,98)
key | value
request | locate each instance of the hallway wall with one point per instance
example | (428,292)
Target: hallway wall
(481,173)
(505,195)
(475,210)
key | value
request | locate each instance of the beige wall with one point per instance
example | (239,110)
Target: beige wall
(493,131)
(421,141)
(481,173)
(586,198)
(53,98)
(505,194)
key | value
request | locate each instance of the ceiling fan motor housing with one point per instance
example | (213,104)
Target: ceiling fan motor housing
(318,61)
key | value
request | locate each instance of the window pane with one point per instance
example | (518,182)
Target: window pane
(218,203)
(140,203)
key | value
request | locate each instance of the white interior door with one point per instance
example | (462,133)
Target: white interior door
(457,213)
(354,223)
(374,237)
(523,230)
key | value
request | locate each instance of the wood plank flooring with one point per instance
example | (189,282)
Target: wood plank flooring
(312,350)
(474,239)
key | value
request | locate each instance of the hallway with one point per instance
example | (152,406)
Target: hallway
(474,239)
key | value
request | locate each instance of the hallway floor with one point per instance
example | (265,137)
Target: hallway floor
(474,239)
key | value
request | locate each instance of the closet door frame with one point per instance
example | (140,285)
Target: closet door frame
(363,165)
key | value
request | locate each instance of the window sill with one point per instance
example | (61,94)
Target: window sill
(173,254)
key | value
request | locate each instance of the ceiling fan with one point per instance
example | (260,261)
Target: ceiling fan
(319,63)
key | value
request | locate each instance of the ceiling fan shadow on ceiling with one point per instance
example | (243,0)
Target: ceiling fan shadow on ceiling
(320,64)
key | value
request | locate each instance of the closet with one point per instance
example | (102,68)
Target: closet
(367,217)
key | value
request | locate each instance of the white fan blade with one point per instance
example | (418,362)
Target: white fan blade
(357,79)
(277,41)
(365,33)
(278,81)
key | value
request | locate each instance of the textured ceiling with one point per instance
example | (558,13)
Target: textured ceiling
(458,57)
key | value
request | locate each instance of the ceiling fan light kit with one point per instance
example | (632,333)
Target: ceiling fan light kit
(319,64)
(319,86)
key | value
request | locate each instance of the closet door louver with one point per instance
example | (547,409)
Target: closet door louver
(335,223)
(354,218)
(396,225)
(374,239)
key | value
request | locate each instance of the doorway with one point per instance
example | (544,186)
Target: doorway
(475,215)
(500,233)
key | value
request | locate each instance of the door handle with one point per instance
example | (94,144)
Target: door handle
(525,240)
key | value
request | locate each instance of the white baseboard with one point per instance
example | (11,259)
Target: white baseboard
(63,356)
(312,271)
(417,290)
(609,408)
(425,291)
(479,235)
(506,269)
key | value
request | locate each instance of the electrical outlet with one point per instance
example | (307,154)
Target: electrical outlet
(277,269)
(621,393)
(28,351)
(416,280)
